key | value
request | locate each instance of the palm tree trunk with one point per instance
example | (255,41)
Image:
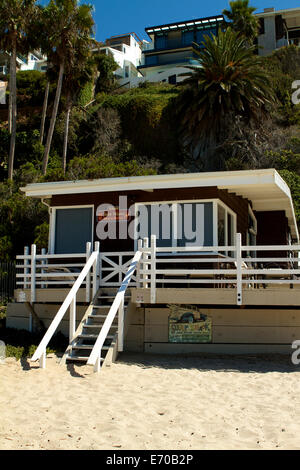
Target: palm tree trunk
(13,92)
(45,104)
(66,133)
(53,117)
(9,118)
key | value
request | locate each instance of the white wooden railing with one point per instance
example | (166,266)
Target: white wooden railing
(216,266)
(113,268)
(229,266)
(116,307)
(61,270)
(91,266)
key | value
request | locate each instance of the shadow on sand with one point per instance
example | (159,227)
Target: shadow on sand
(217,362)
(73,372)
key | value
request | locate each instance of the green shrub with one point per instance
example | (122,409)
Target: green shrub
(86,94)
(293,181)
(31,86)
(147,119)
(22,343)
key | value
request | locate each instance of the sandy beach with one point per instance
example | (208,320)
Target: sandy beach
(152,402)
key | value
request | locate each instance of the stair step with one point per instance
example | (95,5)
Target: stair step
(114,325)
(103,296)
(96,325)
(80,358)
(97,315)
(87,336)
(90,346)
(107,306)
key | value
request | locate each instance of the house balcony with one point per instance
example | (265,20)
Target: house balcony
(220,275)
(161,60)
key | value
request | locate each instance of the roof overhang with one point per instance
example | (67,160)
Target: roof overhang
(291,16)
(264,188)
(284,13)
(210,20)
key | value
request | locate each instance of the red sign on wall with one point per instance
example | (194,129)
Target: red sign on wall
(113,215)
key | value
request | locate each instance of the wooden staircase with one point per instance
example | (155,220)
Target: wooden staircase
(89,328)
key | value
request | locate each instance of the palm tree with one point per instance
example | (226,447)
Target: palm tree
(66,23)
(15,18)
(242,19)
(39,38)
(76,77)
(226,87)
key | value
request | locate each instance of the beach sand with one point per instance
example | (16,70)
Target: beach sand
(152,402)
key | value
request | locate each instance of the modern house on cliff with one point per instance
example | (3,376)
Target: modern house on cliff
(172,47)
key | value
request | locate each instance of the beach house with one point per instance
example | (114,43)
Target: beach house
(178,263)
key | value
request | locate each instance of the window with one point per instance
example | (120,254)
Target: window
(252,231)
(261,26)
(226,226)
(72,228)
(221,225)
(151,60)
(172,79)
(187,38)
(201,33)
(186,223)
(160,41)
(126,71)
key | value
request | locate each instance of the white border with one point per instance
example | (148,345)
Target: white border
(214,202)
(53,223)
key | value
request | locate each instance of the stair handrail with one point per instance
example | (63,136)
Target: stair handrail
(40,352)
(94,358)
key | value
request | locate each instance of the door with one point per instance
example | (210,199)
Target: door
(73,228)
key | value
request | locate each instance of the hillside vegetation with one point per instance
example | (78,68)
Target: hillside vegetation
(134,132)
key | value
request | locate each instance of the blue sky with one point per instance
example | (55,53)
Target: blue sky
(114,17)
(118,16)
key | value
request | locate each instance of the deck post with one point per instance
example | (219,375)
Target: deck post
(72,321)
(96,269)
(26,270)
(138,268)
(145,264)
(88,276)
(153,268)
(42,361)
(26,284)
(43,252)
(33,272)
(97,366)
(121,326)
(239,283)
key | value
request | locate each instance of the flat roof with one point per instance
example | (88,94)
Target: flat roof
(264,188)
(270,12)
(184,24)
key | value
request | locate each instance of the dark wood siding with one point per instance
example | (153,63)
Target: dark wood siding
(238,204)
(272,228)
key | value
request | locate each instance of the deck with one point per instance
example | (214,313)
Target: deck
(219,275)
(250,294)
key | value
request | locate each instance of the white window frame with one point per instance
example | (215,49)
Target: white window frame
(51,247)
(251,229)
(214,202)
